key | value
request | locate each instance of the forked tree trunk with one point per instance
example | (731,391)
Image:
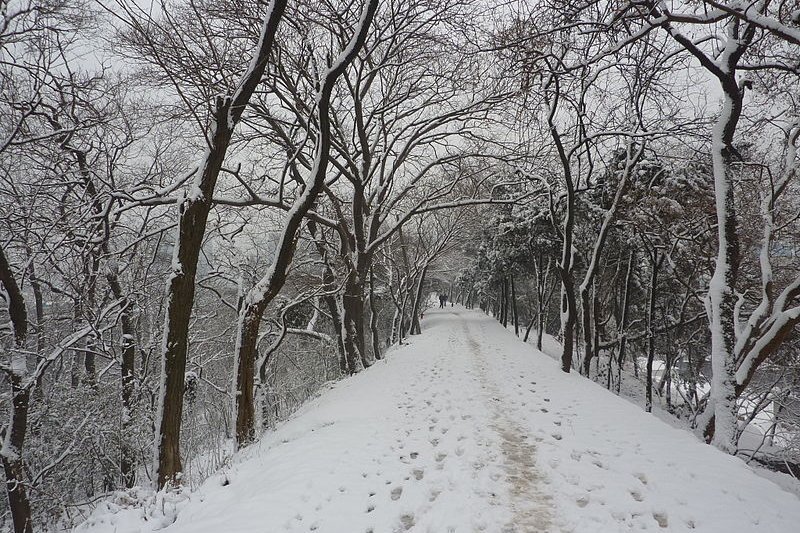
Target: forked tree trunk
(329,281)
(191,230)
(267,288)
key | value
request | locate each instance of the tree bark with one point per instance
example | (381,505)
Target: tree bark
(373,318)
(588,337)
(651,309)
(565,264)
(191,230)
(721,297)
(416,327)
(267,288)
(353,321)
(623,321)
(13,436)
(128,455)
(514,307)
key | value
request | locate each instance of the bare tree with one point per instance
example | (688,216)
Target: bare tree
(739,32)
(268,286)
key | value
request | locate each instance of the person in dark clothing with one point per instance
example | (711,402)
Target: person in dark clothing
(442,300)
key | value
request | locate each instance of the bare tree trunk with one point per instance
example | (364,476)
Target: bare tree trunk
(721,297)
(329,280)
(586,315)
(191,230)
(38,328)
(567,320)
(623,321)
(542,299)
(651,309)
(596,329)
(13,436)
(373,318)
(74,372)
(336,320)
(528,329)
(128,455)
(416,328)
(353,321)
(514,307)
(89,356)
(38,299)
(565,265)
(267,288)
(506,302)
(720,419)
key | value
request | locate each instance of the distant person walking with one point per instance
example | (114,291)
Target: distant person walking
(442,300)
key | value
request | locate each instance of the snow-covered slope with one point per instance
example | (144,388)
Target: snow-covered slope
(468,429)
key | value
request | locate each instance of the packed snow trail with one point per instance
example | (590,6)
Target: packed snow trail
(469,430)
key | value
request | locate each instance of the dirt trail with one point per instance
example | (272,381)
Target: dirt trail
(531,505)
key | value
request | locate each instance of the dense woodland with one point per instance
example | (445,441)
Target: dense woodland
(211,208)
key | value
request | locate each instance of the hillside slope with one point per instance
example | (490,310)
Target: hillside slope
(468,429)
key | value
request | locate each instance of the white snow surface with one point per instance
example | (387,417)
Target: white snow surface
(468,429)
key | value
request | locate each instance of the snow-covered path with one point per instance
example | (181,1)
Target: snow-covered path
(467,429)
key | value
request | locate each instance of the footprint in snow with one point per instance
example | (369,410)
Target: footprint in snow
(396,493)
(418,473)
(407,521)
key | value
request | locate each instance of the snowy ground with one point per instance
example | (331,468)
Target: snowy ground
(467,430)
